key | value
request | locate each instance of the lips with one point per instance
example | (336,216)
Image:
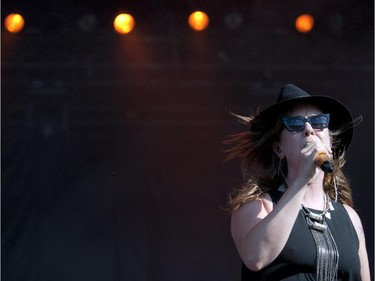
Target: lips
(308,142)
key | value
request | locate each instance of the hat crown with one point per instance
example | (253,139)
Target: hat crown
(289,92)
(290,95)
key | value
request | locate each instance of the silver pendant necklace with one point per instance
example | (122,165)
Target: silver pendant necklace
(327,252)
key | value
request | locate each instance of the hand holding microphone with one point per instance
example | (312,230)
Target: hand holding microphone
(324,162)
(321,160)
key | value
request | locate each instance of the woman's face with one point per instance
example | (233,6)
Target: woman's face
(291,143)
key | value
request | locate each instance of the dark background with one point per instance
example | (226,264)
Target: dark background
(112,154)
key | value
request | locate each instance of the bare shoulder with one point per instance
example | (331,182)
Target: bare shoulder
(356,220)
(248,215)
(257,208)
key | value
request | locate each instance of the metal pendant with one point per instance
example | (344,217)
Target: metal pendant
(318,226)
(315,217)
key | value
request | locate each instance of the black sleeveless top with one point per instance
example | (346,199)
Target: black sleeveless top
(297,260)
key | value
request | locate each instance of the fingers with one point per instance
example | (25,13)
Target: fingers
(315,148)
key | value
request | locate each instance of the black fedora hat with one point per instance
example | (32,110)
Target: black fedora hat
(340,117)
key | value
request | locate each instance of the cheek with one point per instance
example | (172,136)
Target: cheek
(288,142)
(326,139)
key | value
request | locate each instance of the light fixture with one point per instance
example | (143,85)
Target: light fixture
(124,23)
(304,23)
(14,23)
(198,20)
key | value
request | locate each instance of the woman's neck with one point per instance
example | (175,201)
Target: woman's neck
(315,197)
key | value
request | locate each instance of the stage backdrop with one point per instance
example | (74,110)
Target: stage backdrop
(112,145)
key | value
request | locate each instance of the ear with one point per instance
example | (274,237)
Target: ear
(277,149)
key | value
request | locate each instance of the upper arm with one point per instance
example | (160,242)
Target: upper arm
(246,217)
(362,252)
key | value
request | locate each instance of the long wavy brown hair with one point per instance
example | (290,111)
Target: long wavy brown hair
(262,169)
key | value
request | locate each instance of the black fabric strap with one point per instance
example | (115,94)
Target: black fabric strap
(275,196)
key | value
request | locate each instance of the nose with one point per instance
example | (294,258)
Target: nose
(309,130)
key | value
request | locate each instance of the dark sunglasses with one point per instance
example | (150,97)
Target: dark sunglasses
(297,123)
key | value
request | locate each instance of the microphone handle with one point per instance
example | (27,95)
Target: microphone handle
(326,167)
(324,163)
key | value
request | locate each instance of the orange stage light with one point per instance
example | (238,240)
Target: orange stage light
(124,23)
(14,23)
(198,20)
(305,23)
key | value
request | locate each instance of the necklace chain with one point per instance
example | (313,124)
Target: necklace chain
(327,259)
(327,252)
(319,219)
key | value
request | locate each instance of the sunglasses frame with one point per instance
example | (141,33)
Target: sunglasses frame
(306,119)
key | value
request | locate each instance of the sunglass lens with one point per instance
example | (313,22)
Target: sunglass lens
(319,122)
(294,124)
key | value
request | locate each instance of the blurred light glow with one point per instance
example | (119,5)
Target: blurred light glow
(305,23)
(14,23)
(124,23)
(198,20)
(336,23)
(233,20)
(87,23)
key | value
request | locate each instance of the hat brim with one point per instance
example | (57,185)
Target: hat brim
(340,116)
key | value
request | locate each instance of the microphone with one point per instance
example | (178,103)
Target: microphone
(324,162)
